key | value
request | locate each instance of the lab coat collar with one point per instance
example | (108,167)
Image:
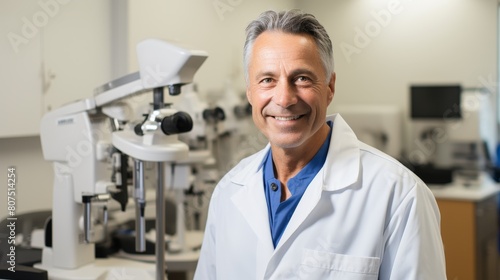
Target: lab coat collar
(244,175)
(342,166)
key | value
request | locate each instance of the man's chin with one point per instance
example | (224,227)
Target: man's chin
(287,143)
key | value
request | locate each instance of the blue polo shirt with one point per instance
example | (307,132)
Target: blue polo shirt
(279,211)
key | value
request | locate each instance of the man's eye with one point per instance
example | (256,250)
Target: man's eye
(266,80)
(302,79)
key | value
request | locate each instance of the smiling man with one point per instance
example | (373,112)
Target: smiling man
(316,203)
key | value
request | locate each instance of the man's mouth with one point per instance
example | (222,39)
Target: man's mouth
(290,118)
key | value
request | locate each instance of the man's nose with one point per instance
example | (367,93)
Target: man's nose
(285,95)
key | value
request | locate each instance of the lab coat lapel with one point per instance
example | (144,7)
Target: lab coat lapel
(251,202)
(307,203)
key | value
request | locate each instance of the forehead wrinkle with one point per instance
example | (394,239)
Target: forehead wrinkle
(272,68)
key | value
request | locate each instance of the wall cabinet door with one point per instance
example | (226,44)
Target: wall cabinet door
(20,70)
(55,52)
(77,51)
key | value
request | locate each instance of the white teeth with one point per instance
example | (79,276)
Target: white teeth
(287,118)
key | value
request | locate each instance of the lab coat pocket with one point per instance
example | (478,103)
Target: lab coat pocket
(325,265)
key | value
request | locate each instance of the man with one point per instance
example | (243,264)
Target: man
(316,203)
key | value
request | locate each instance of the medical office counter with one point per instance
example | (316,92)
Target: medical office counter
(469,228)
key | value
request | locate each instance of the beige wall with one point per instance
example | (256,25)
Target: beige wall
(404,42)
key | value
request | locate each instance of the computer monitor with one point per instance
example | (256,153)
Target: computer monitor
(435,102)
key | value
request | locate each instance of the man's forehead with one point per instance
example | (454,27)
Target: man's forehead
(283,45)
(278,49)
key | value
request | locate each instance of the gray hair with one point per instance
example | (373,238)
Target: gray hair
(294,22)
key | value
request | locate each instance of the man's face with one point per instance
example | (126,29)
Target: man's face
(288,88)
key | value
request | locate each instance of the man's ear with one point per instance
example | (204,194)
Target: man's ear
(249,96)
(331,86)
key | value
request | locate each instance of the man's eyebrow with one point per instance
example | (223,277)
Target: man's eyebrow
(264,74)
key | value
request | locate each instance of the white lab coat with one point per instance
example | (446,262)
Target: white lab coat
(364,216)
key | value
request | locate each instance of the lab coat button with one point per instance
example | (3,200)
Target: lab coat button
(274,187)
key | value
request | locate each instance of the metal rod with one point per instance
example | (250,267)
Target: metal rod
(86,221)
(140,205)
(158,98)
(181,219)
(105,222)
(160,225)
